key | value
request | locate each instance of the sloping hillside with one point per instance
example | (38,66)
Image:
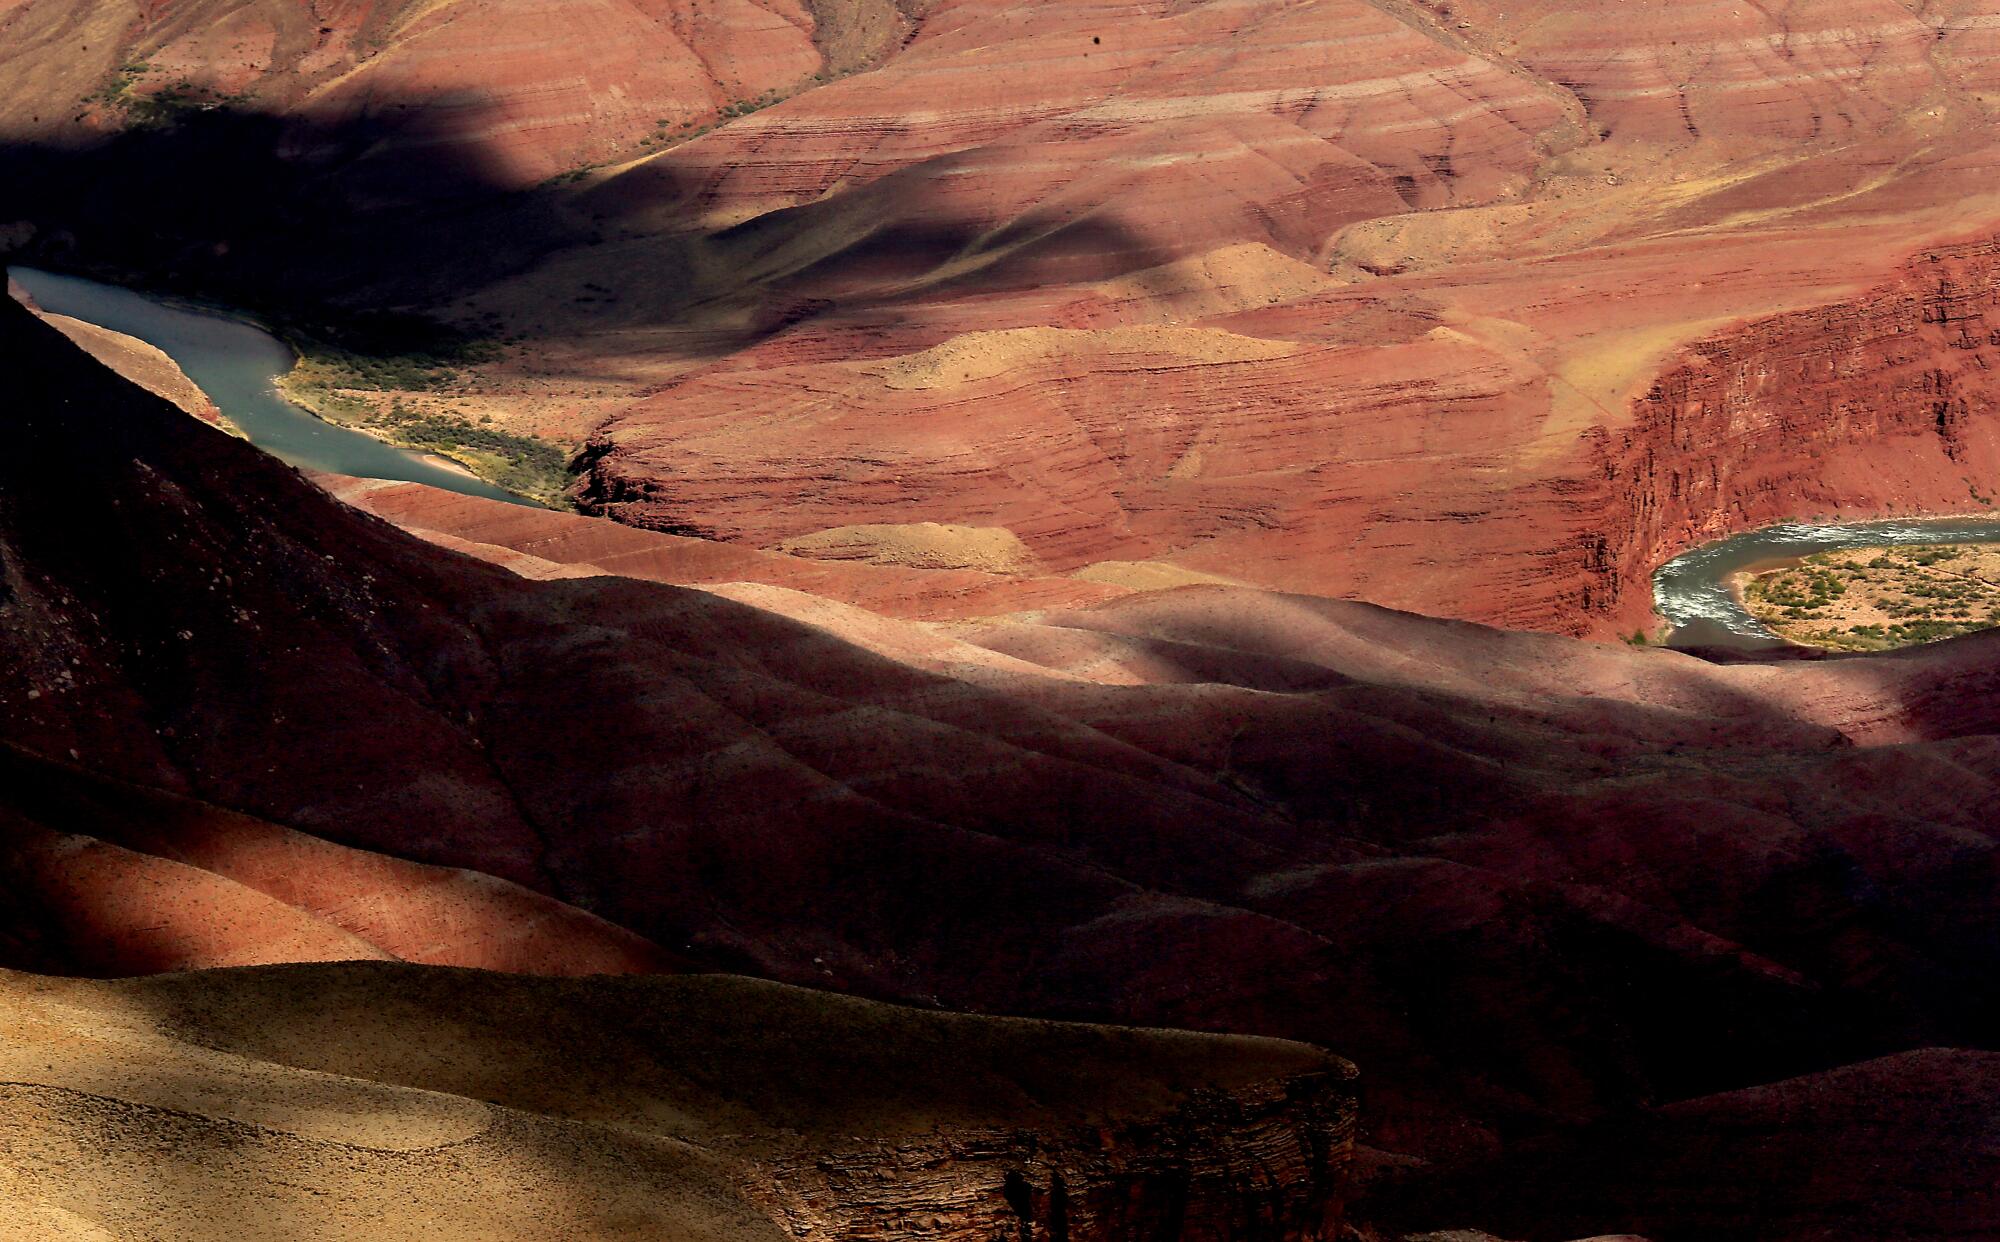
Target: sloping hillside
(380,1100)
(1447,852)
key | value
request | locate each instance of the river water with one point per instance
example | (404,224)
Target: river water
(236,364)
(1692,591)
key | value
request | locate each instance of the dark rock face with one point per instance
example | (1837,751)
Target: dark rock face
(1892,1148)
(1263,1165)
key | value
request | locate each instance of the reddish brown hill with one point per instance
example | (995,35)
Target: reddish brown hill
(529,88)
(1892,1148)
(1444,850)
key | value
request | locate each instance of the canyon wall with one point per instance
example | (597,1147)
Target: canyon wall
(1445,851)
(1337,297)
(1883,405)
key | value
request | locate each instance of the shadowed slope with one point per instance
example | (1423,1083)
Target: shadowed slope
(1898,1147)
(1445,850)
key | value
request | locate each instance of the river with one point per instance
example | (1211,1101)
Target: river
(1693,593)
(237,363)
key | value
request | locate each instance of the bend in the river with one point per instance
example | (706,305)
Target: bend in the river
(236,364)
(1694,590)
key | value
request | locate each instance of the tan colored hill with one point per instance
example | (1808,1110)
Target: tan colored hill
(143,364)
(390,1101)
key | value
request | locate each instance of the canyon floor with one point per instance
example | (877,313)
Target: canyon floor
(1078,521)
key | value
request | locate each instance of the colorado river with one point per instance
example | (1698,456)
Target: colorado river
(1692,591)
(236,364)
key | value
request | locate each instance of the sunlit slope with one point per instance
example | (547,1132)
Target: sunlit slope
(391,1101)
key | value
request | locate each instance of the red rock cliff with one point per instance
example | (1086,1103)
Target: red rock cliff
(1876,406)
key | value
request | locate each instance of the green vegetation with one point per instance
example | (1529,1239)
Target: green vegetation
(387,350)
(115,91)
(345,372)
(667,131)
(1797,593)
(1906,596)
(521,464)
(407,372)
(160,107)
(744,107)
(1889,637)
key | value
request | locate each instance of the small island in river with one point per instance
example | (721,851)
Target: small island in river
(1879,598)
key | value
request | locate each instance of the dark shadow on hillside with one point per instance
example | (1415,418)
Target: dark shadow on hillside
(319,224)
(288,217)
(922,247)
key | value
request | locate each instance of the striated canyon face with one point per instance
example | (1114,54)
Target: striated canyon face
(1353,298)
(1339,298)
(1879,404)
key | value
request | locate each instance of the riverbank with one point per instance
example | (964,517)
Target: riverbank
(1879,599)
(436,427)
(346,370)
(1703,597)
(238,365)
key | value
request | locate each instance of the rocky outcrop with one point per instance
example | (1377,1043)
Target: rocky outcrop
(1267,1163)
